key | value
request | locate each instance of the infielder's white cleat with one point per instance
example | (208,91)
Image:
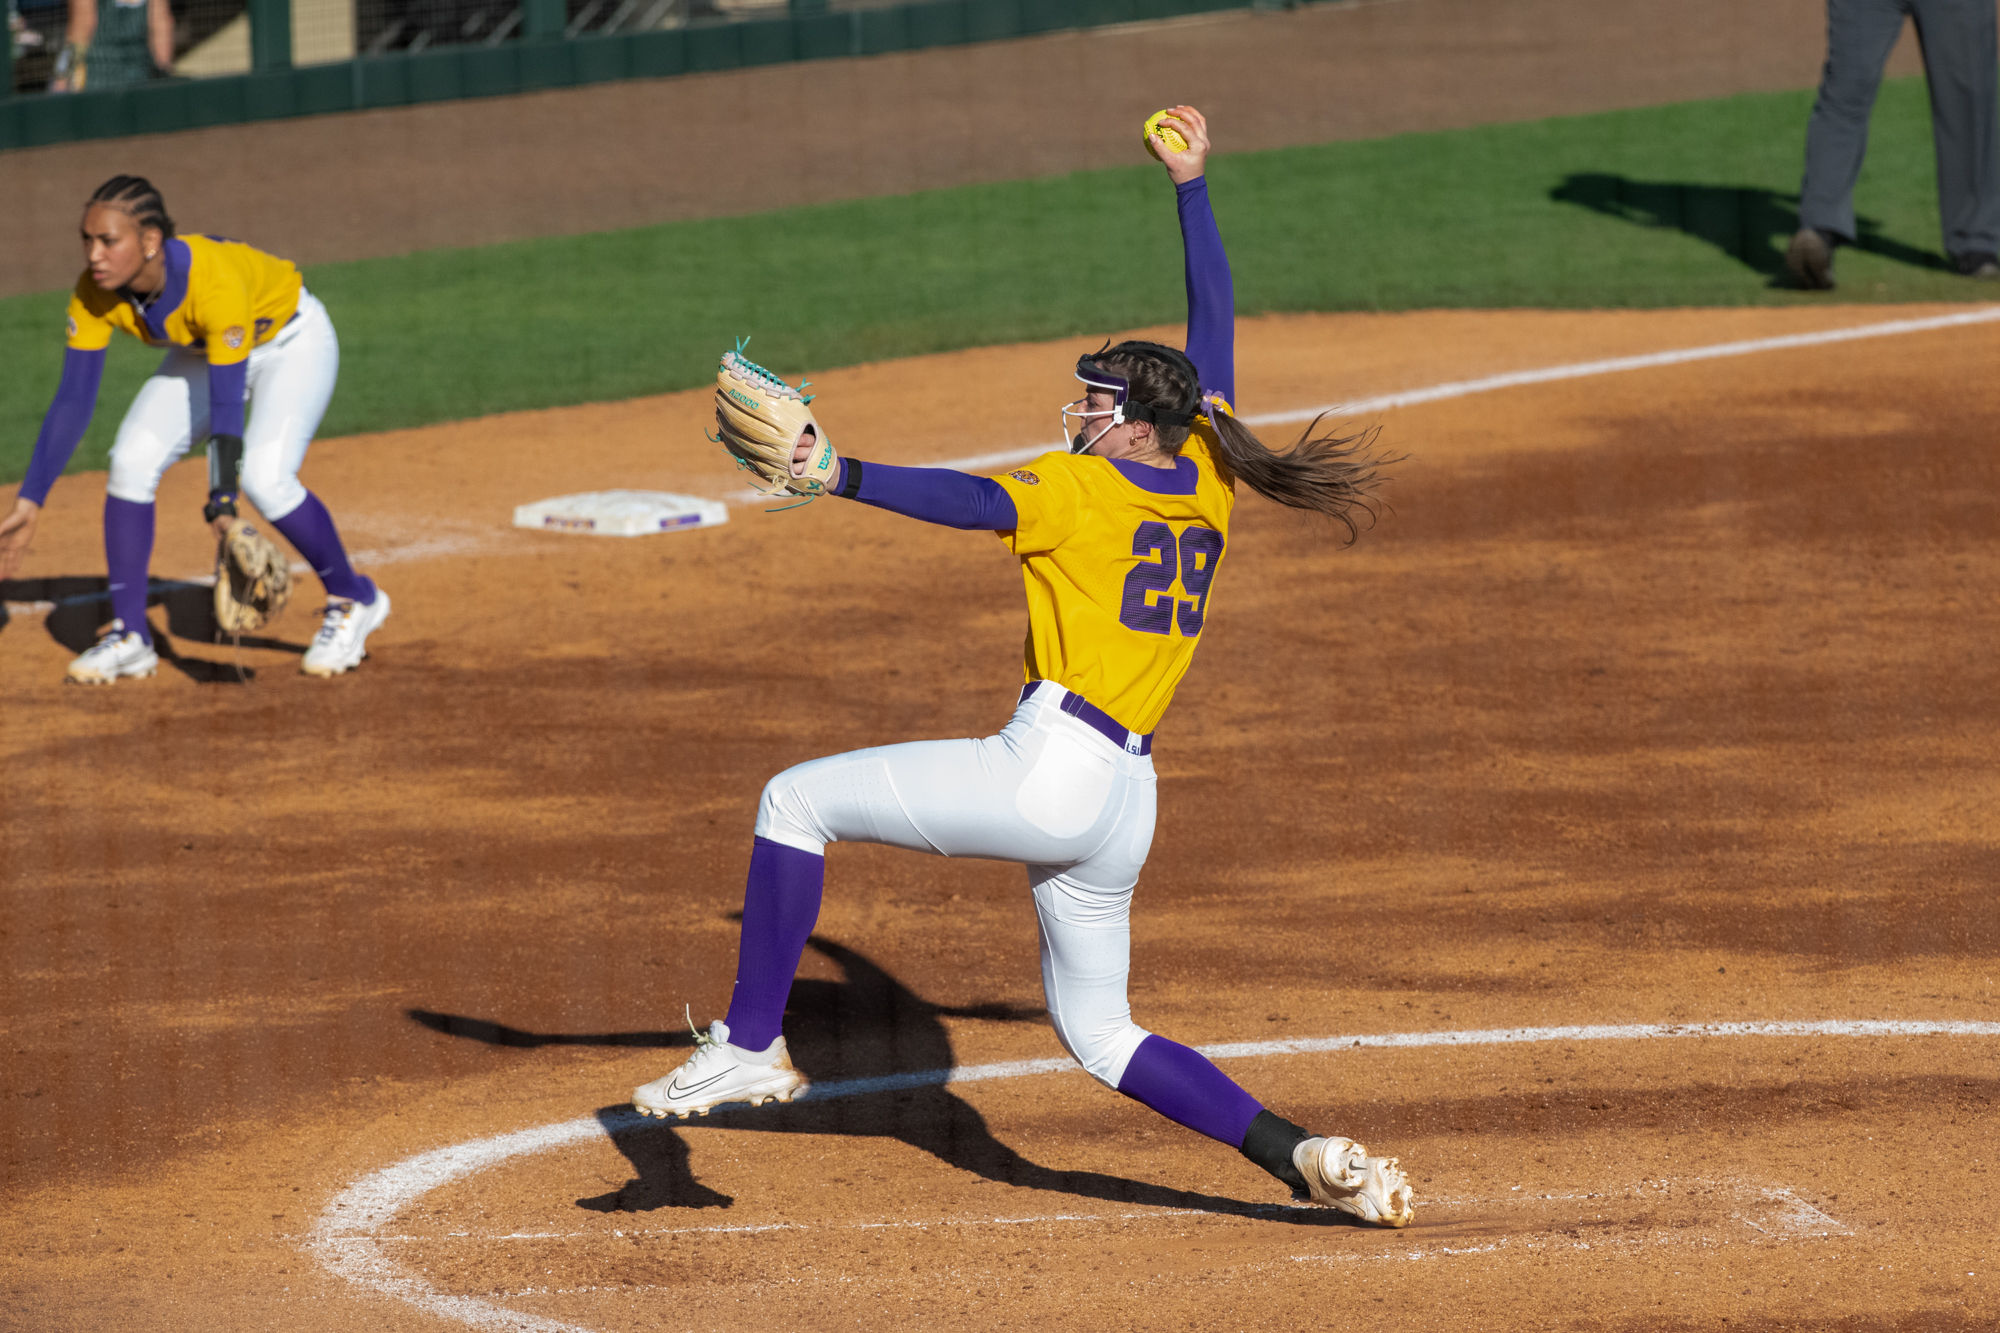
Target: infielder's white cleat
(718,1072)
(116,654)
(1340,1174)
(343,636)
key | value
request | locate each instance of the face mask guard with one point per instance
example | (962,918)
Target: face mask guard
(1094,376)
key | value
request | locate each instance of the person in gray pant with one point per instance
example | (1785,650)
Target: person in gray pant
(1960,60)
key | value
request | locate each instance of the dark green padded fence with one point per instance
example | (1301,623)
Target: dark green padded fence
(537,63)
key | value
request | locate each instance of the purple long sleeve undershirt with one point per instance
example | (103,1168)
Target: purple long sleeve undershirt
(935,495)
(67,419)
(1211,323)
(226,385)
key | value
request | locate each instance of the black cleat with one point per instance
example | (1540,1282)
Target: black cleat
(1810,259)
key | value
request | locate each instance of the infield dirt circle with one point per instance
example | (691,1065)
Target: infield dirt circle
(1662,697)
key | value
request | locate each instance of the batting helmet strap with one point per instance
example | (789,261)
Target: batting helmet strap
(1159,416)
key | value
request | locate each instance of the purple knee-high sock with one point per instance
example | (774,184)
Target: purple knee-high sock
(309,528)
(128,550)
(780,906)
(1184,1087)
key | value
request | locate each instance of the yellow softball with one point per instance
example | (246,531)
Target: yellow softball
(1169,136)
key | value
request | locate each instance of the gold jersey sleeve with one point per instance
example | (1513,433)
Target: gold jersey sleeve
(1119,561)
(94,316)
(223,297)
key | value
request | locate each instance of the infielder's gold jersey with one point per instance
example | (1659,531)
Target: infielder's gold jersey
(221,296)
(1119,560)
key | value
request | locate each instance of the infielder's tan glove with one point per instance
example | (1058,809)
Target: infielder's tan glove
(253,579)
(759,419)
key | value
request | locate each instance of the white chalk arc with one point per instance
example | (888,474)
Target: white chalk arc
(344,1239)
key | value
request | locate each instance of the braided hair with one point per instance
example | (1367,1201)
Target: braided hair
(136,197)
(1335,475)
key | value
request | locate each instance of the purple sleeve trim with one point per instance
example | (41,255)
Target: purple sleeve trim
(225,398)
(68,418)
(938,495)
(1211,321)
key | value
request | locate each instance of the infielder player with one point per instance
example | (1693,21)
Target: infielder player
(239,326)
(1119,542)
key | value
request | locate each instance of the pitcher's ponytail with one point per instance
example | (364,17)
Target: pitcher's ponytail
(1335,475)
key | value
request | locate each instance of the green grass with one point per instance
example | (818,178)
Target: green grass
(1678,205)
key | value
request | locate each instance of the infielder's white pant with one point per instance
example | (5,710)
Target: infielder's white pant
(1049,791)
(290,383)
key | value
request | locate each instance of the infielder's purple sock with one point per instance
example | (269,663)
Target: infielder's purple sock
(128,550)
(780,908)
(309,528)
(1184,1087)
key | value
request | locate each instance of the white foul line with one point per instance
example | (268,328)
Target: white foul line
(1515,379)
(1644,361)
(345,1242)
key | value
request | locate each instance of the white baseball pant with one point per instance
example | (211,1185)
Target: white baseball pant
(1048,791)
(290,383)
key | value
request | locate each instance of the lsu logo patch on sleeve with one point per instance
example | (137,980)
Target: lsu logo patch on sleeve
(232,337)
(1025,477)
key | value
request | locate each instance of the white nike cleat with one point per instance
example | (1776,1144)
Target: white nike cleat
(116,654)
(1340,1174)
(343,636)
(718,1072)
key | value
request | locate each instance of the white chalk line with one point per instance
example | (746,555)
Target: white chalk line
(1796,1211)
(345,1240)
(1789,1218)
(1516,379)
(1646,1188)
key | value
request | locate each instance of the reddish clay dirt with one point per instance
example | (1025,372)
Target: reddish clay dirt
(627,154)
(1662,697)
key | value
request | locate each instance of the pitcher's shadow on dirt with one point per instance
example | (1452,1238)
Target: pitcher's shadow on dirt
(80,607)
(1750,224)
(868,1025)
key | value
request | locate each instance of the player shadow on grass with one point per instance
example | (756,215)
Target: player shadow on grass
(79,607)
(868,1026)
(1750,224)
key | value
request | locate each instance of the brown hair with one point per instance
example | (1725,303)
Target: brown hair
(1331,474)
(136,197)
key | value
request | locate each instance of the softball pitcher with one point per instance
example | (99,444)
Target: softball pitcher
(1120,541)
(239,326)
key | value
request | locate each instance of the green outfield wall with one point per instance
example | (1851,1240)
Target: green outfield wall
(539,63)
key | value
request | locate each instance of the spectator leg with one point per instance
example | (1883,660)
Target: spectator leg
(1962,66)
(1859,36)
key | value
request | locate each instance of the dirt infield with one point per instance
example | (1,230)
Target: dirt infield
(626,154)
(1663,698)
